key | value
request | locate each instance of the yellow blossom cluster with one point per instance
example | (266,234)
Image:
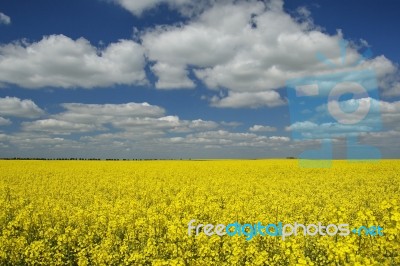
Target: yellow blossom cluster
(137,212)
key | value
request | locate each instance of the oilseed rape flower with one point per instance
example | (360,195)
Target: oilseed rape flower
(137,212)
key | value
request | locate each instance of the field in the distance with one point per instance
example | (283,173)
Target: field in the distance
(137,212)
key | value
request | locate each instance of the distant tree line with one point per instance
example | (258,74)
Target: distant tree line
(84,159)
(106,159)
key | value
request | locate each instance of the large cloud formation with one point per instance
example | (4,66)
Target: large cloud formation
(248,48)
(244,48)
(58,61)
(115,128)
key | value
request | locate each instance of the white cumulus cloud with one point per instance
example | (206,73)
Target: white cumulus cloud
(261,128)
(138,118)
(12,106)
(4,121)
(58,61)
(4,19)
(172,77)
(251,47)
(185,7)
(248,99)
(54,126)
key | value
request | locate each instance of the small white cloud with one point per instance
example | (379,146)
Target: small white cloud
(280,138)
(137,7)
(307,90)
(4,121)
(393,90)
(4,19)
(185,7)
(303,11)
(54,126)
(121,110)
(12,106)
(172,77)
(162,124)
(231,124)
(302,126)
(260,128)
(200,124)
(248,100)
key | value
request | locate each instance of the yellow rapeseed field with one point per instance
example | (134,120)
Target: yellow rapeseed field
(137,212)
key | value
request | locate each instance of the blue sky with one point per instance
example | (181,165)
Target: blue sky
(180,79)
